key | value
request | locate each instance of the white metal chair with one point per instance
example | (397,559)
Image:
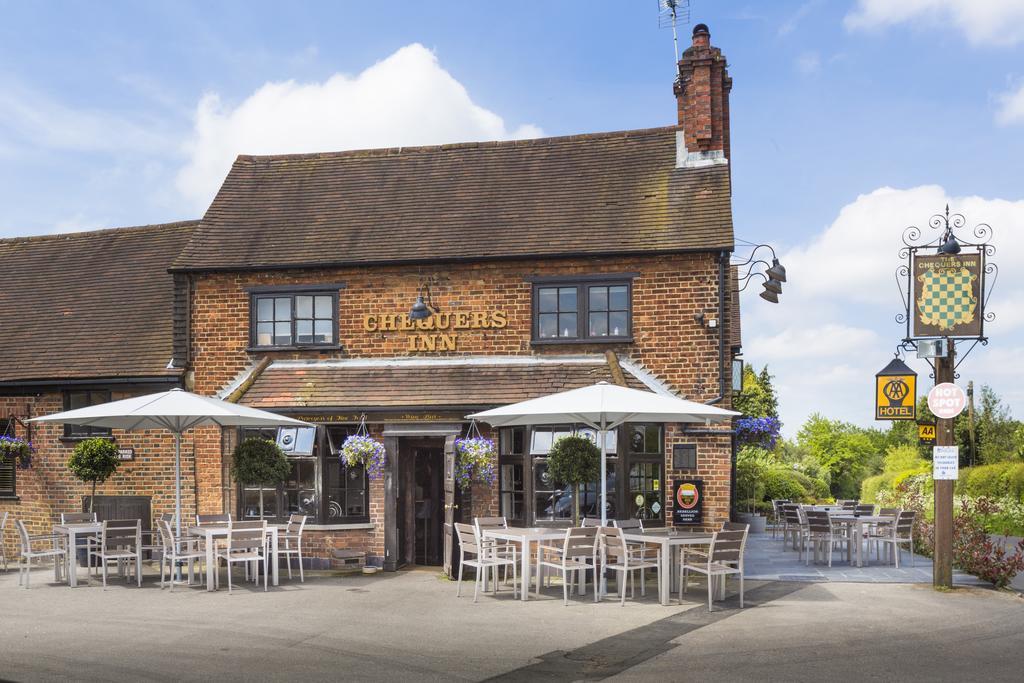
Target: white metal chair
(3,527)
(483,557)
(56,551)
(898,534)
(121,541)
(175,550)
(293,535)
(725,557)
(503,549)
(576,556)
(617,555)
(822,535)
(246,542)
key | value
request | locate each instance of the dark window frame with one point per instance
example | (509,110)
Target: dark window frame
(582,286)
(79,432)
(292,293)
(319,459)
(646,457)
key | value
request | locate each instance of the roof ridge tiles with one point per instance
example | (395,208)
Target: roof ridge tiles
(472,144)
(129,229)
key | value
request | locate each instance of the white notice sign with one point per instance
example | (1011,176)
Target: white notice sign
(945,462)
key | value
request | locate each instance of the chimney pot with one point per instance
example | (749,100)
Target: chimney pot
(701,36)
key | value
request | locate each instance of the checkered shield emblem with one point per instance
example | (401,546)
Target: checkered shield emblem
(947,297)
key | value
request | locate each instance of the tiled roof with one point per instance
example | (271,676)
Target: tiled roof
(437,384)
(607,193)
(88,305)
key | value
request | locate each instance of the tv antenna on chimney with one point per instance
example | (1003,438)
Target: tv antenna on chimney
(670,12)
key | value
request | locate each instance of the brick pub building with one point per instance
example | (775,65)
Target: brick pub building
(547,264)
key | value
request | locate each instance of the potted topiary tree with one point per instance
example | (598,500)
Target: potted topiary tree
(259,462)
(574,460)
(94,460)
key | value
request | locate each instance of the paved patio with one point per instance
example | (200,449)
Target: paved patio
(410,626)
(769,559)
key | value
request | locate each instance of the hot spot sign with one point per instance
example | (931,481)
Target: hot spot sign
(896,392)
(946,400)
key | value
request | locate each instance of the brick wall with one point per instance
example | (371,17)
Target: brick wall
(47,488)
(667,293)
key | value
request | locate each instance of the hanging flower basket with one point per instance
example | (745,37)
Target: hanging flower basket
(18,451)
(474,459)
(360,450)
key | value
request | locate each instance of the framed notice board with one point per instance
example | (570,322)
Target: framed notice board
(688,501)
(684,456)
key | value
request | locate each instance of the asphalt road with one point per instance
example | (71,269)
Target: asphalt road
(410,625)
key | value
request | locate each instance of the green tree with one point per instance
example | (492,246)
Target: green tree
(93,461)
(259,462)
(994,430)
(844,453)
(574,460)
(757,399)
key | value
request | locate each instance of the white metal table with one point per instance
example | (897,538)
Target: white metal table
(209,534)
(525,536)
(72,531)
(857,529)
(670,541)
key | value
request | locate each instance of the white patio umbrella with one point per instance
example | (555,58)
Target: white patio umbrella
(602,406)
(176,411)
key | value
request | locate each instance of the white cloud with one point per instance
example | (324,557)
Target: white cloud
(32,119)
(834,327)
(1011,106)
(794,19)
(808,63)
(999,22)
(406,99)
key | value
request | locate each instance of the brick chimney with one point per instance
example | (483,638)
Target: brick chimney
(702,92)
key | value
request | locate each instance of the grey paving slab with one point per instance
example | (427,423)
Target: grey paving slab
(770,559)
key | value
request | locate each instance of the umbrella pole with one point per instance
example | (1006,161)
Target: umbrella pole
(604,468)
(177,493)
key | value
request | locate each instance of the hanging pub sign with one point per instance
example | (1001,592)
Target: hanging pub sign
(947,295)
(896,392)
(689,501)
(926,433)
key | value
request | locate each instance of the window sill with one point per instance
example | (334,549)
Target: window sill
(354,526)
(599,341)
(300,347)
(10,499)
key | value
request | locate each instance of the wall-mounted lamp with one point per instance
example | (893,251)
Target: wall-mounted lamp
(424,306)
(774,275)
(704,321)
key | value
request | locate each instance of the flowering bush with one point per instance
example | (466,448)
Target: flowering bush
(16,450)
(762,432)
(360,450)
(474,460)
(974,550)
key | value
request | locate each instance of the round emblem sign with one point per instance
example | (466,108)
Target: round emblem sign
(946,400)
(687,496)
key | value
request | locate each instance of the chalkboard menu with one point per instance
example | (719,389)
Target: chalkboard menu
(688,501)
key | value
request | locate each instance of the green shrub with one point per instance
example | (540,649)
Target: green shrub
(870,487)
(93,461)
(575,460)
(983,480)
(1014,481)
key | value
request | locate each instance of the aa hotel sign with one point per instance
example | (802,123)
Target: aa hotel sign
(439,332)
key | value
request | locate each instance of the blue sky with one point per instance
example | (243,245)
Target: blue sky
(127,113)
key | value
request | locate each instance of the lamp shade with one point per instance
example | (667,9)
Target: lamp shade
(950,246)
(419,310)
(773,285)
(768,295)
(777,271)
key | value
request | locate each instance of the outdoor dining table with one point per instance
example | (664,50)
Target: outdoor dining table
(525,536)
(72,531)
(670,541)
(857,523)
(210,533)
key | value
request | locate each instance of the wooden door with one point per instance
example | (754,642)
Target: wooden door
(449,504)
